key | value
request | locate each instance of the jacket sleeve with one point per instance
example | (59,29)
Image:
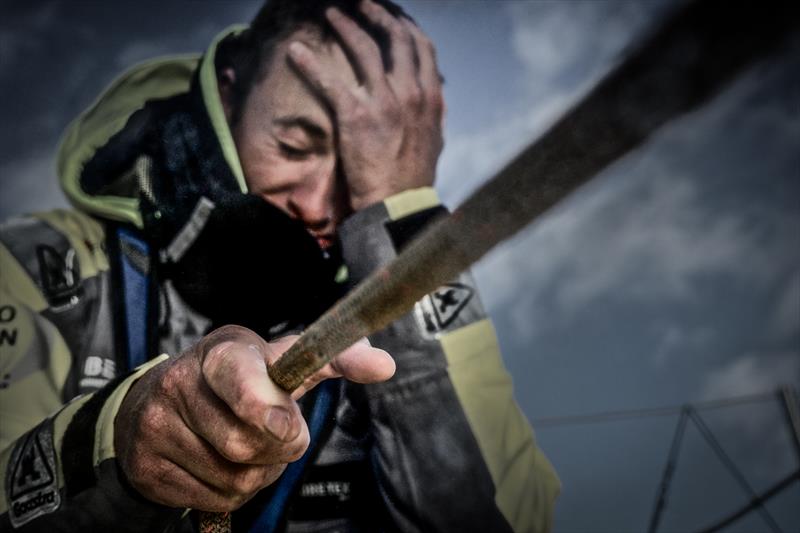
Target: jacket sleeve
(453,451)
(57,462)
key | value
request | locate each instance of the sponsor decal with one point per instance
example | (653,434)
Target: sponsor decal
(97,372)
(60,276)
(31,481)
(325,489)
(8,331)
(441,308)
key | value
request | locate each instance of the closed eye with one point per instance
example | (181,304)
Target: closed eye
(292,152)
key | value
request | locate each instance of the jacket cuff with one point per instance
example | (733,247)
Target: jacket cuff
(410,202)
(57,460)
(365,236)
(104,428)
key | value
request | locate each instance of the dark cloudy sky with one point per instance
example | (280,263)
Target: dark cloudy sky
(674,277)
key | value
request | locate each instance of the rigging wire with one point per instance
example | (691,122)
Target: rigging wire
(712,441)
(688,412)
(613,416)
(752,504)
(669,470)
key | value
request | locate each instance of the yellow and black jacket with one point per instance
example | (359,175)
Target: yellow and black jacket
(84,312)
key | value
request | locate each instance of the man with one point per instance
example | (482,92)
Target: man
(244,192)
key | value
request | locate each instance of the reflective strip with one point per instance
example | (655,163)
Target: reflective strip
(208,85)
(188,234)
(104,429)
(410,201)
(525,482)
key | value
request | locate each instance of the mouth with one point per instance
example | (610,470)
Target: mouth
(324,240)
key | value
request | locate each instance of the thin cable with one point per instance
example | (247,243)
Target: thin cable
(612,416)
(752,504)
(669,470)
(705,431)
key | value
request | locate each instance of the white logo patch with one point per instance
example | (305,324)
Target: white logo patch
(439,309)
(97,372)
(31,482)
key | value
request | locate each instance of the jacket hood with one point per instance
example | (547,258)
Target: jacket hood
(155,79)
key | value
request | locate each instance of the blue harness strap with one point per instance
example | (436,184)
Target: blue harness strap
(135,285)
(270,517)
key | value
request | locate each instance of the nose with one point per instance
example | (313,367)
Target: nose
(312,202)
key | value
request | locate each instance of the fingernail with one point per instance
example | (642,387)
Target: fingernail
(278,422)
(364,340)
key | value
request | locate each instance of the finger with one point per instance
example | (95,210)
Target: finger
(429,76)
(277,347)
(359,363)
(171,485)
(236,371)
(403,76)
(325,83)
(364,52)
(202,461)
(212,420)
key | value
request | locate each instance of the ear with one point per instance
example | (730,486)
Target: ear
(226,79)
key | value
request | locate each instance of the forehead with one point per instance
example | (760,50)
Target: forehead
(284,91)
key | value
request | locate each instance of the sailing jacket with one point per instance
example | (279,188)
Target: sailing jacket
(442,446)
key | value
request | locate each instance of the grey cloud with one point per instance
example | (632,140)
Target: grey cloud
(30,184)
(785,322)
(752,373)
(21,32)
(560,46)
(560,60)
(762,439)
(674,339)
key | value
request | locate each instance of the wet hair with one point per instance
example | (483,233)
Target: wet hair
(250,53)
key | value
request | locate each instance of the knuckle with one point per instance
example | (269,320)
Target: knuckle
(397,31)
(392,111)
(366,43)
(270,473)
(231,503)
(151,421)
(436,100)
(297,448)
(427,44)
(246,482)
(170,380)
(356,114)
(294,453)
(228,332)
(414,97)
(237,449)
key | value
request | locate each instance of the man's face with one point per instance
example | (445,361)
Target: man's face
(286,141)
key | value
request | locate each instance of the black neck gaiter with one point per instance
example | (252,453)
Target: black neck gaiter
(250,263)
